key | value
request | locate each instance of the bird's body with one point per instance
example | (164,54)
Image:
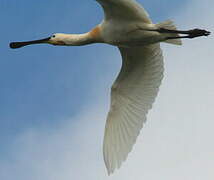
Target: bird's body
(127,26)
(128,34)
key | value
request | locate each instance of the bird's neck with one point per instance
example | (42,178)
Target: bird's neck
(78,39)
(83,39)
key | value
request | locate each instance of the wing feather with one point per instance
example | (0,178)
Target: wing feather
(124,10)
(132,95)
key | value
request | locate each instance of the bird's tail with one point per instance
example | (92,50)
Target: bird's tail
(170,26)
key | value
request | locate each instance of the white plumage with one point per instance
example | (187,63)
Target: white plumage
(124,10)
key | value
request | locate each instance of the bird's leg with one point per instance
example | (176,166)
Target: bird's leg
(190,33)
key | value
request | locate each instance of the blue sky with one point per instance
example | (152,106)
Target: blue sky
(43,87)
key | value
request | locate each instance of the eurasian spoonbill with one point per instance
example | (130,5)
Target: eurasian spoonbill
(127,26)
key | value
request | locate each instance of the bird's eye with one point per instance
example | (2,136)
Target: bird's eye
(53,36)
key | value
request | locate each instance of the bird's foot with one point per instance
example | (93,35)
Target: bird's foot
(197,33)
(189,34)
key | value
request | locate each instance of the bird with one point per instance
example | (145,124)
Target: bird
(127,25)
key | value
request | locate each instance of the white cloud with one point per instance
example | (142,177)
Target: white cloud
(176,143)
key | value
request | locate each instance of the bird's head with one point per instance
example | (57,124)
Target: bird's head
(55,39)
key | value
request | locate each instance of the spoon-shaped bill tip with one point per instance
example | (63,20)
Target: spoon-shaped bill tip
(14,45)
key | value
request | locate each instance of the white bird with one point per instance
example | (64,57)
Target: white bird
(127,26)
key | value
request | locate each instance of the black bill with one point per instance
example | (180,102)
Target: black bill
(15,45)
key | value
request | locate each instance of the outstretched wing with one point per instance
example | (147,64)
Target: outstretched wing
(124,9)
(132,95)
